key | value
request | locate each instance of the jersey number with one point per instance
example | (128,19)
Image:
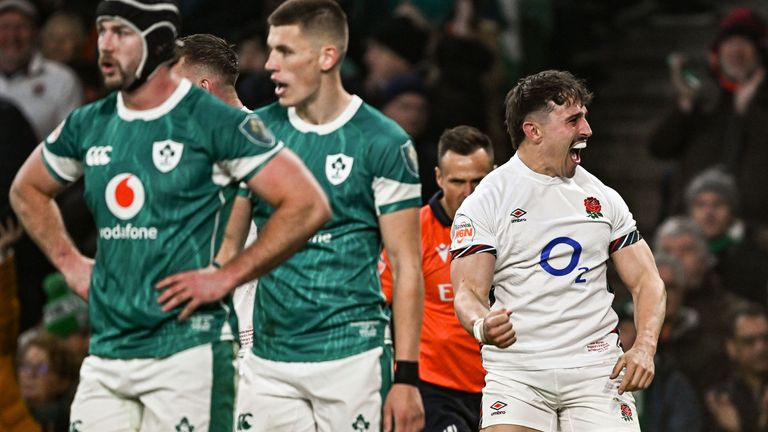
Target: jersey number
(575,255)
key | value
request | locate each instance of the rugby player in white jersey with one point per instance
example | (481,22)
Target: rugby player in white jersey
(530,250)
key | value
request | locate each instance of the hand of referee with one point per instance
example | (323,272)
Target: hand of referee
(403,409)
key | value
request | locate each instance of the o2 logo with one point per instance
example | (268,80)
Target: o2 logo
(574,261)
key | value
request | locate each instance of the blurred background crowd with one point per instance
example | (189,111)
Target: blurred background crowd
(680,122)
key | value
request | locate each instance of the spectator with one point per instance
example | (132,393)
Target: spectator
(730,129)
(14,416)
(47,377)
(739,402)
(680,237)
(670,404)
(45,91)
(396,48)
(405,101)
(62,38)
(712,200)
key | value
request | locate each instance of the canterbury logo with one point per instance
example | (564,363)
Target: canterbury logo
(98,155)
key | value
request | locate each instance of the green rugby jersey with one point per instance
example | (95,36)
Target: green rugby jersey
(156,182)
(325,302)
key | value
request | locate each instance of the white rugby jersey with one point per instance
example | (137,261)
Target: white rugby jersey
(551,237)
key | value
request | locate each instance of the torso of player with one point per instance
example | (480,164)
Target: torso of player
(449,356)
(157,197)
(551,237)
(363,163)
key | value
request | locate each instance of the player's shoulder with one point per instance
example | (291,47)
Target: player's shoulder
(273,112)
(92,111)
(380,129)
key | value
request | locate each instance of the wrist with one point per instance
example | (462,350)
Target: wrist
(406,372)
(478,332)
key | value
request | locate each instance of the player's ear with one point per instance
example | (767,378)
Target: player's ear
(329,57)
(205,84)
(439,176)
(532,130)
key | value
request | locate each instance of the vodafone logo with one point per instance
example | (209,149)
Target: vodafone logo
(125,195)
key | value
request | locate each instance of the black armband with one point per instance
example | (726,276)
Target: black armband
(406,372)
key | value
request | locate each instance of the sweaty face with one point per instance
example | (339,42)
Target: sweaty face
(120,50)
(16,36)
(564,133)
(458,176)
(293,62)
(712,214)
(739,58)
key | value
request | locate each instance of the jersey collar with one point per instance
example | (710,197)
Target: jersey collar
(155,113)
(326,128)
(438,210)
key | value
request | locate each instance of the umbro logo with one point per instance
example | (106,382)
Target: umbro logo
(497,408)
(518,214)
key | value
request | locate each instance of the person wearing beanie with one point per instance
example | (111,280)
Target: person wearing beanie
(712,201)
(157,156)
(725,127)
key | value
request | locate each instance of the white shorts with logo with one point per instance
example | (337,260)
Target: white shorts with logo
(338,395)
(567,400)
(192,390)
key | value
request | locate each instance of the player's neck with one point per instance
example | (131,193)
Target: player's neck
(331,100)
(536,162)
(158,88)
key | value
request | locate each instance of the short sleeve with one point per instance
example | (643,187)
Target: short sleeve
(473,228)
(396,184)
(243,145)
(61,154)
(622,221)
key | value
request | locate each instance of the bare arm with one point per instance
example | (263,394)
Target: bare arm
(637,269)
(32,198)
(301,207)
(400,231)
(471,277)
(236,231)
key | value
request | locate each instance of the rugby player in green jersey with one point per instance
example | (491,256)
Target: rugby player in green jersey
(158,156)
(321,357)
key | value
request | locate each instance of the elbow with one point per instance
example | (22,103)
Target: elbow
(16,196)
(320,210)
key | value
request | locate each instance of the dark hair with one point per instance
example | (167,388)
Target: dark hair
(463,140)
(314,16)
(534,93)
(211,52)
(744,310)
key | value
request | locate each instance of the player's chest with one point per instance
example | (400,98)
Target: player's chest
(130,158)
(541,226)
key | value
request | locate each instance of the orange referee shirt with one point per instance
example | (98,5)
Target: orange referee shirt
(449,356)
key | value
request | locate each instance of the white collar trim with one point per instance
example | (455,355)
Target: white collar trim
(155,113)
(326,128)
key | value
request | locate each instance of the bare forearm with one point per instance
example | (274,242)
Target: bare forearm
(408,307)
(236,231)
(43,222)
(650,306)
(469,307)
(286,231)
